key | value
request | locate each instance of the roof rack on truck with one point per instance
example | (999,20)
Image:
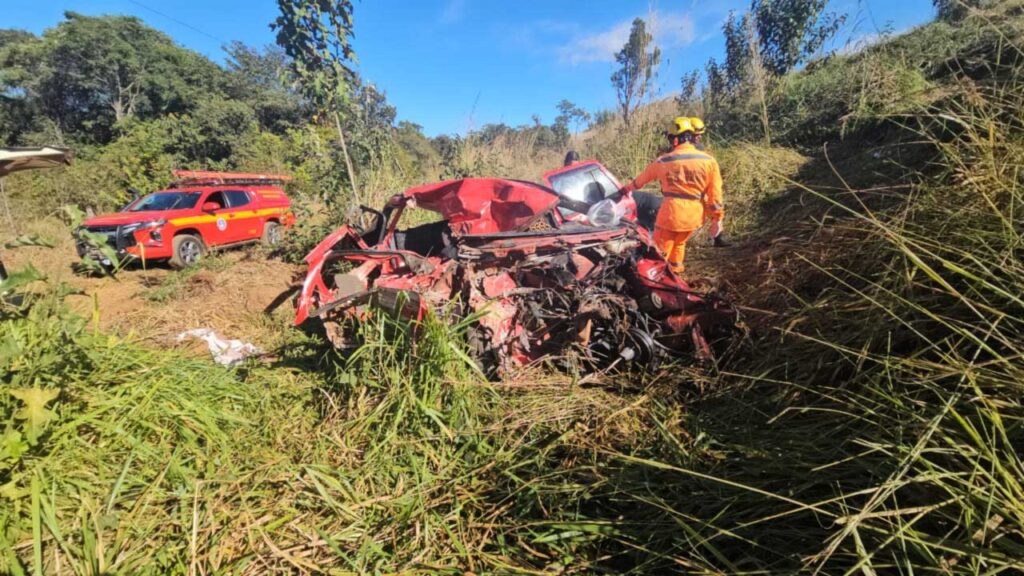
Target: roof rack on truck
(195,178)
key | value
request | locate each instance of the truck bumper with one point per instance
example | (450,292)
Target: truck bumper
(137,245)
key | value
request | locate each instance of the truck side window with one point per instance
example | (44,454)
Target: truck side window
(237,198)
(217,197)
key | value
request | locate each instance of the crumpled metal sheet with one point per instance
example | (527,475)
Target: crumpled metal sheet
(484,205)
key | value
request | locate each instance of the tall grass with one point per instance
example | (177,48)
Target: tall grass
(876,426)
(881,430)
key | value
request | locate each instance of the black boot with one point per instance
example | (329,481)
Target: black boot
(721,242)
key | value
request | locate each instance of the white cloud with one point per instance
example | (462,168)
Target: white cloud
(670,30)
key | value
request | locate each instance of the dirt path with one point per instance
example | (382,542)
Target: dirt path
(229,295)
(159,304)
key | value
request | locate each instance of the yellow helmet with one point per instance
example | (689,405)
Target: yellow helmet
(680,126)
(698,126)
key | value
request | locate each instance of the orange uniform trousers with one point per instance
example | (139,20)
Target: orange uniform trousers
(672,245)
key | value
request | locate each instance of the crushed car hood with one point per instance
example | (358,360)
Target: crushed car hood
(485,205)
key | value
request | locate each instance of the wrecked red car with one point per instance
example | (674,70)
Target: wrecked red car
(540,282)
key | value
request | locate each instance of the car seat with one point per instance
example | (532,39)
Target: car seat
(593,193)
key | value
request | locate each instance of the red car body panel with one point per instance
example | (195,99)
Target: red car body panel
(484,205)
(254,200)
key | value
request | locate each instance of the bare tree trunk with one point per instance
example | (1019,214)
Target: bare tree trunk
(124,101)
(348,160)
(7,207)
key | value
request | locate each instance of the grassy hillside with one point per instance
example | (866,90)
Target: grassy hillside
(871,423)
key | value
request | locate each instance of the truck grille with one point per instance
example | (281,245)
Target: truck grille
(115,238)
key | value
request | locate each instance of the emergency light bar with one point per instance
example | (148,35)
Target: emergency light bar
(188,178)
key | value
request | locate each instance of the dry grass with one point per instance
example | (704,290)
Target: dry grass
(873,425)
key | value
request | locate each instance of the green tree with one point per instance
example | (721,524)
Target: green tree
(215,130)
(956,10)
(89,73)
(636,69)
(688,95)
(791,31)
(258,77)
(18,113)
(316,36)
(737,50)
(417,154)
(716,84)
(367,120)
(570,118)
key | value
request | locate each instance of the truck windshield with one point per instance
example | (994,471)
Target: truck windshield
(165,201)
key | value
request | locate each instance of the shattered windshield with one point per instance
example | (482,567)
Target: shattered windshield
(165,201)
(587,184)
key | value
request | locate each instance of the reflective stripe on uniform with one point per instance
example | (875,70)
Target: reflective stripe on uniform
(717,206)
(678,157)
(682,195)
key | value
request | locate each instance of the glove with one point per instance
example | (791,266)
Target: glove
(716,228)
(721,242)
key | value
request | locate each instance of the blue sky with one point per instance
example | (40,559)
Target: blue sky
(452,65)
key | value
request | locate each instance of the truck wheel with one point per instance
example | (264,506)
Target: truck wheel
(188,250)
(271,233)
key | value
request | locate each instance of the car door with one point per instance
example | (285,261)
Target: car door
(214,226)
(243,220)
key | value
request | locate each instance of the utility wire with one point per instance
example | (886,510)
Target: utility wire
(179,22)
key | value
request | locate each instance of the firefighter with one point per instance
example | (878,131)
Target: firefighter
(698,129)
(691,183)
(718,239)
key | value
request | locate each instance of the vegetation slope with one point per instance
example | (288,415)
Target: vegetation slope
(872,422)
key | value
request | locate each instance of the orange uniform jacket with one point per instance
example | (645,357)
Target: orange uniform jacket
(692,185)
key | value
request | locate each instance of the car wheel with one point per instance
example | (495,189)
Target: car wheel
(272,234)
(188,250)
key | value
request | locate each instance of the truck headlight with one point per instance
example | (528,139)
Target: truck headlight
(130,228)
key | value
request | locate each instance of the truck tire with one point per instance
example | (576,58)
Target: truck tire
(272,233)
(188,250)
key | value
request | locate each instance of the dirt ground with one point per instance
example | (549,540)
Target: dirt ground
(231,295)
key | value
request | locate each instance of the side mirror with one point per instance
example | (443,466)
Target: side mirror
(210,207)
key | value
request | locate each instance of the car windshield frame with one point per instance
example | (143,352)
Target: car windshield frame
(185,200)
(574,180)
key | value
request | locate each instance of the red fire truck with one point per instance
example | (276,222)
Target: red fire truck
(198,212)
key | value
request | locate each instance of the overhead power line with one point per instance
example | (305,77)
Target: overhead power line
(179,22)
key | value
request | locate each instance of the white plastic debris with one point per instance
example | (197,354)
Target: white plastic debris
(605,213)
(225,352)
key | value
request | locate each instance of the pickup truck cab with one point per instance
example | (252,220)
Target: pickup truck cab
(200,211)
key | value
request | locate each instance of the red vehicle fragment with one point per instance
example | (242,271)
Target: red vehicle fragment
(540,285)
